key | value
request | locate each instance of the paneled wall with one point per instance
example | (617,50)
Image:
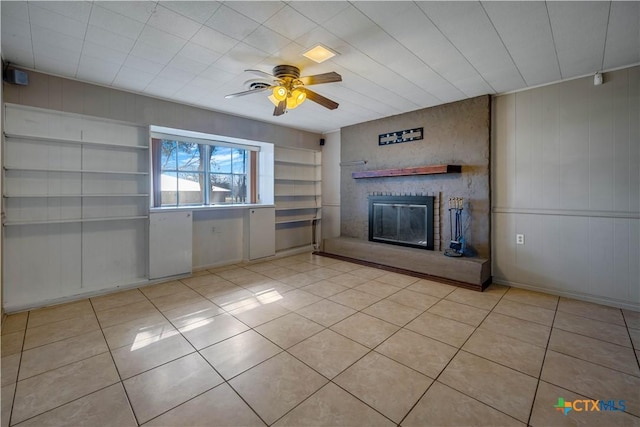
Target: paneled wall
(566,174)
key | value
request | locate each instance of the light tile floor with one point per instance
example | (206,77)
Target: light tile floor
(309,340)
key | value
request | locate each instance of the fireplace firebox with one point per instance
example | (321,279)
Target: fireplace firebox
(402,220)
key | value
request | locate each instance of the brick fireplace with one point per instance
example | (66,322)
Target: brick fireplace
(454,134)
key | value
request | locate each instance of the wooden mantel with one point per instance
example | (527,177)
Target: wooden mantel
(418,170)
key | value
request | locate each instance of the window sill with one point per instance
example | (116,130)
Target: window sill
(211,207)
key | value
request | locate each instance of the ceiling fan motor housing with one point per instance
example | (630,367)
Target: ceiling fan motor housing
(286,72)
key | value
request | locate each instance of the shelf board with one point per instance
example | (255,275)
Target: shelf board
(287,162)
(289,221)
(297,180)
(296,208)
(11,196)
(12,169)
(76,220)
(75,141)
(419,170)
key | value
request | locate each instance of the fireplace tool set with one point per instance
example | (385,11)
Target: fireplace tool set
(457,243)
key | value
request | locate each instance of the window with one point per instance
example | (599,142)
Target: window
(192,172)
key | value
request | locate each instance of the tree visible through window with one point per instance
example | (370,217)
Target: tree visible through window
(200,174)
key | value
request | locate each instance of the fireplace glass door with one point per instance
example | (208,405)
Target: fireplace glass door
(406,221)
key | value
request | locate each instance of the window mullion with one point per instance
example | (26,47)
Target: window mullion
(205,168)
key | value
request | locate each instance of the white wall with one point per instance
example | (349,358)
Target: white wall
(566,174)
(331,185)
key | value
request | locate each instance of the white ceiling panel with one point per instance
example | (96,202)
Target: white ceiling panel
(194,52)
(579,31)
(55,22)
(142,64)
(78,10)
(109,39)
(393,56)
(214,40)
(152,53)
(319,11)
(161,40)
(96,51)
(623,35)
(290,23)
(16,34)
(97,69)
(266,40)
(177,74)
(139,10)
(199,11)
(15,11)
(133,79)
(259,11)
(44,38)
(232,23)
(468,27)
(526,32)
(115,23)
(173,23)
(415,30)
(187,65)
(164,86)
(18,56)
(241,57)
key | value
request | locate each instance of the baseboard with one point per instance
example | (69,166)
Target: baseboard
(575,295)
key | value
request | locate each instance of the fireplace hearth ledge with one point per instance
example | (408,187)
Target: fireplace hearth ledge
(473,273)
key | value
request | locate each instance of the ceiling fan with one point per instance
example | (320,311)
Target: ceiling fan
(288,89)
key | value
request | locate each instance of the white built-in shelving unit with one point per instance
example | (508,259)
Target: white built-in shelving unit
(75,204)
(297,197)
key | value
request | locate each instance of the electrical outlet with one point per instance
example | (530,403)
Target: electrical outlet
(519,239)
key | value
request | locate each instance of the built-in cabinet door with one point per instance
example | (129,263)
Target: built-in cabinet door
(170,244)
(262,232)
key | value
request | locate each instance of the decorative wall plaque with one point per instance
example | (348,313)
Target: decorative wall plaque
(400,136)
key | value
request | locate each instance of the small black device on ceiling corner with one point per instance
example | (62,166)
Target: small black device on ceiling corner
(16,77)
(321,141)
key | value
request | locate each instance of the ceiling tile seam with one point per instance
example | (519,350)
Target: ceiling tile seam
(553,39)
(408,50)
(176,54)
(133,45)
(185,16)
(458,50)
(606,34)
(320,24)
(427,65)
(384,66)
(84,39)
(503,45)
(33,50)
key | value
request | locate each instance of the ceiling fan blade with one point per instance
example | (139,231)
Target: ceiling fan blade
(321,78)
(319,99)
(247,92)
(261,73)
(280,108)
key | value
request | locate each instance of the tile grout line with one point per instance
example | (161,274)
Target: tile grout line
(15,389)
(459,349)
(95,313)
(535,394)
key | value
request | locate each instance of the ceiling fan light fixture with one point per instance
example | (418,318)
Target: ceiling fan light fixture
(319,53)
(279,93)
(273,100)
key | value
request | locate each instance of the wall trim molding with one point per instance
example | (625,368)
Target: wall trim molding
(568,212)
(575,295)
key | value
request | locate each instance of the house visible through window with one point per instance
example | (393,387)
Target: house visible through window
(192,172)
